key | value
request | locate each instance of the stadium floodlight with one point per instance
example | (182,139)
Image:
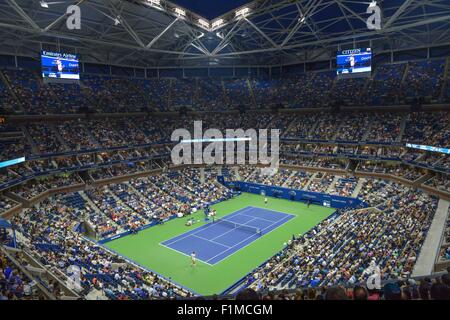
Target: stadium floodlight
(217,23)
(155,4)
(180,12)
(242,12)
(373,4)
(302,19)
(45,4)
(203,23)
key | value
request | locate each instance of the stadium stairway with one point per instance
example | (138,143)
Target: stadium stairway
(310,180)
(289,280)
(186,188)
(367,132)
(185,176)
(97,209)
(138,129)
(132,188)
(224,93)
(423,178)
(287,129)
(361,181)
(367,83)
(170,94)
(237,175)
(405,75)
(445,79)
(288,180)
(96,295)
(252,94)
(333,184)
(30,140)
(58,136)
(430,248)
(402,129)
(338,129)
(124,203)
(312,130)
(331,91)
(91,136)
(45,275)
(254,174)
(9,253)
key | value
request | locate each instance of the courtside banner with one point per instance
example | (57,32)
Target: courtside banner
(293,194)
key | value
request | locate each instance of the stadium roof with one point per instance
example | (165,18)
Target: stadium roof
(211,9)
(159,33)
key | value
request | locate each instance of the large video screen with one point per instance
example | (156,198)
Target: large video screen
(354,61)
(59,66)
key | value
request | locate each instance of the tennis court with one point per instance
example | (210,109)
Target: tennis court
(215,241)
(146,249)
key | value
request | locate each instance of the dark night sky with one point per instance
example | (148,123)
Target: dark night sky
(210,9)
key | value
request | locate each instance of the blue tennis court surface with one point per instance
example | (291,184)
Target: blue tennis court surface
(215,241)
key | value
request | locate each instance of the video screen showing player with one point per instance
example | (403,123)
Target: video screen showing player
(56,65)
(354,61)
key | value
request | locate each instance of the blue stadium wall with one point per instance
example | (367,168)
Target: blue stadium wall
(322,199)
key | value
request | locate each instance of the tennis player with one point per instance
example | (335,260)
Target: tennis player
(193,259)
(352,63)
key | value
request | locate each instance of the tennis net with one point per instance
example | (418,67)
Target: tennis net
(239,226)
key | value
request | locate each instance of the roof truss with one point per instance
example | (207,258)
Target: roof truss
(273,32)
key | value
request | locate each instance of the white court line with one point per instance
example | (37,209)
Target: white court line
(290,214)
(212,240)
(184,254)
(231,214)
(252,241)
(245,224)
(247,239)
(259,218)
(201,228)
(204,239)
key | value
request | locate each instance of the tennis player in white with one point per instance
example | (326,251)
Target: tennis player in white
(193,258)
(352,63)
(59,65)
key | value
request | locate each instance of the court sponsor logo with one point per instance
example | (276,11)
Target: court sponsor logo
(235,147)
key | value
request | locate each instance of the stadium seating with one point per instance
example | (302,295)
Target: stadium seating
(108,173)
(391,84)
(123,206)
